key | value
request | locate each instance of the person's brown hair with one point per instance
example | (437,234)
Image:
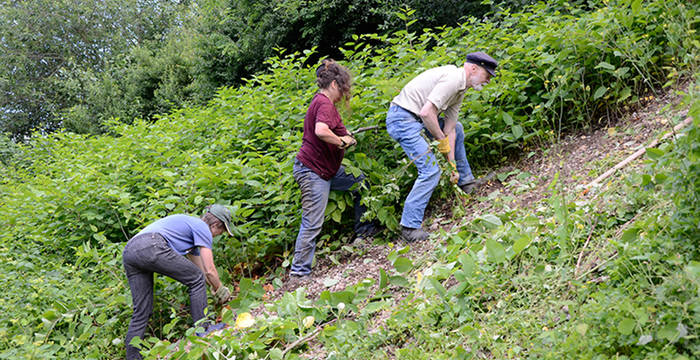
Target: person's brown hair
(330,70)
(210,220)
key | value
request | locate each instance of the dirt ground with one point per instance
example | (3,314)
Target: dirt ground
(578,158)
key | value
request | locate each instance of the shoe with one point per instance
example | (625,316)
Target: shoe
(366,231)
(469,187)
(296,280)
(410,235)
(211,328)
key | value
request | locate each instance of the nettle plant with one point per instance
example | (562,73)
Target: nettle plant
(239,148)
(71,198)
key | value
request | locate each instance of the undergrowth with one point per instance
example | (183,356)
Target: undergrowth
(498,288)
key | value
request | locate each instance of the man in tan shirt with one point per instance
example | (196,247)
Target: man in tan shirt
(435,91)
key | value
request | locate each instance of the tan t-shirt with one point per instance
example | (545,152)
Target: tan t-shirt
(443,86)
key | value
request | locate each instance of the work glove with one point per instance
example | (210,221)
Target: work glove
(222,295)
(444,145)
(454,174)
(348,141)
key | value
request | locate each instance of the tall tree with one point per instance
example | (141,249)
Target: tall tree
(51,49)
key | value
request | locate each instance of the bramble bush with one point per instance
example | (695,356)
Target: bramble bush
(69,202)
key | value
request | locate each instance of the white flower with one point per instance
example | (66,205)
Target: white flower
(308,321)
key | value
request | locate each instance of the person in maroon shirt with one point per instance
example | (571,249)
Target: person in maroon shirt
(317,167)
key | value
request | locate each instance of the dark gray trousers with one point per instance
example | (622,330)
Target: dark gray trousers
(150,253)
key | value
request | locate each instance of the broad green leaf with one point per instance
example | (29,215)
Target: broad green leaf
(521,243)
(654,153)
(496,252)
(492,221)
(373,307)
(605,65)
(626,326)
(630,235)
(245,285)
(50,315)
(636,6)
(276,354)
(517,131)
(345,297)
(383,279)
(669,332)
(403,264)
(393,255)
(468,264)
(660,178)
(399,280)
(438,287)
(330,208)
(337,215)
(599,92)
(507,118)
(624,94)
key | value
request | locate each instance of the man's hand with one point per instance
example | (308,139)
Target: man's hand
(222,295)
(347,141)
(454,174)
(444,145)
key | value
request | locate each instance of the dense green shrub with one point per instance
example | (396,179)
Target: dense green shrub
(73,200)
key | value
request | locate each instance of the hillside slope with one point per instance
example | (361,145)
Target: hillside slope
(476,289)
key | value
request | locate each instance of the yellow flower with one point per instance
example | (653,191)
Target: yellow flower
(244,320)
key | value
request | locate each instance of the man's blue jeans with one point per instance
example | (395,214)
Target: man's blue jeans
(405,128)
(314,198)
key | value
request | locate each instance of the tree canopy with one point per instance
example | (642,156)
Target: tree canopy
(79,64)
(52,51)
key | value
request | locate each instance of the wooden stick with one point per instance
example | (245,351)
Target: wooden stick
(306,338)
(597,266)
(362,129)
(583,250)
(637,154)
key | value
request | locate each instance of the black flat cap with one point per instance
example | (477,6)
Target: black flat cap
(482,59)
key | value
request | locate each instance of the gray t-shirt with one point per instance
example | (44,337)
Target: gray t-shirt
(184,233)
(443,86)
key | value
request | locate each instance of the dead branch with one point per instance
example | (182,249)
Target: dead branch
(583,250)
(306,338)
(637,154)
(366,128)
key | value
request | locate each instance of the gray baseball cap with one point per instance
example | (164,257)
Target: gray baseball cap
(482,59)
(222,213)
